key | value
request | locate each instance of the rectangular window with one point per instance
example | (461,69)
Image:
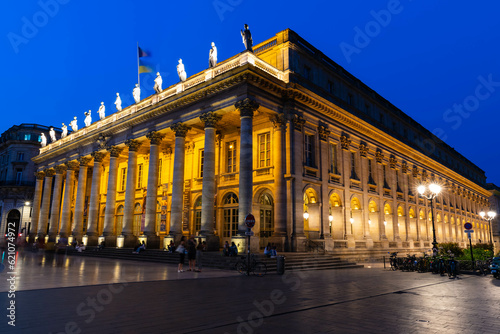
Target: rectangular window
(231,156)
(354,176)
(20,156)
(309,150)
(160,162)
(123,178)
(202,161)
(382,119)
(367,109)
(19,176)
(333,158)
(139,176)
(331,87)
(265,150)
(350,99)
(307,72)
(26,137)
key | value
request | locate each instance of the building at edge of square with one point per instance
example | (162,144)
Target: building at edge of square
(283,133)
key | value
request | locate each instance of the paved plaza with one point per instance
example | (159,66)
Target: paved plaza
(88,295)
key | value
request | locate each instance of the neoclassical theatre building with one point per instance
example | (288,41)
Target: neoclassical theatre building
(283,133)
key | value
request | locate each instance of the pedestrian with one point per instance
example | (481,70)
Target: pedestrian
(225,250)
(171,247)
(200,248)
(181,249)
(267,250)
(191,248)
(233,250)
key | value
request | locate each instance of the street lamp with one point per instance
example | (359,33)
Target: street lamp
(490,216)
(430,193)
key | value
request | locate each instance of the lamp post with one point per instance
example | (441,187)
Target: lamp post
(488,217)
(430,192)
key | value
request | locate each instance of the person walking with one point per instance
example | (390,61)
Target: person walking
(200,248)
(181,249)
(191,247)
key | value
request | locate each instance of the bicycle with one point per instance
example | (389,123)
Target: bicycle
(393,260)
(256,267)
(452,267)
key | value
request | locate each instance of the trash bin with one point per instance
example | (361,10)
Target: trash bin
(280,264)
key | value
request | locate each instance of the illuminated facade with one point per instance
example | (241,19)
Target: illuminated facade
(284,133)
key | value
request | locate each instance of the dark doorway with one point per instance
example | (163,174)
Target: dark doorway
(13,222)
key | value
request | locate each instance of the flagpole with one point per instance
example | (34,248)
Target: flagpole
(138,73)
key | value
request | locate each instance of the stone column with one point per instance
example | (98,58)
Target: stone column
(280,229)
(95,196)
(208,188)
(325,177)
(43,219)
(36,205)
(363,154)
(56,202)
(345,143)
(393,182)
(68,192)
(297,166)
(128,212)
(180,131)
(152,192)
(80,198)
(379,157)
(109,215)
(246,108)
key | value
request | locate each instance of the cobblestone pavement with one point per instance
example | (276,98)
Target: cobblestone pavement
(154,298)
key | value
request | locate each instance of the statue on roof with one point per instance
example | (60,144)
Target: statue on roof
(158,83)
(118,102)
(88,119)
(247,38)
(64,131)
(212,57)
(52,134)
(43,140)
(181,71)
(102,111)
(136,92)
(74,124)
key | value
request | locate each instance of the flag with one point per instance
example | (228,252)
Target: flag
(144,67)
(143,53)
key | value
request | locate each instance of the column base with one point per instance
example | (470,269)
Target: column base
(176,237)
(369,242)
(213,242)
(110,240)
(153,242)
(130,241)
(329,244)
(298,243)
(351,243)
(398,241)
(92,240)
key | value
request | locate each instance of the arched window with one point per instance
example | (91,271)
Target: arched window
(230,215)
(137,219)
(401,211)
(119,220)
(372,207)
(387,209)
(197,215)
(335,200)
(355,205)
(412,213)
(266,216)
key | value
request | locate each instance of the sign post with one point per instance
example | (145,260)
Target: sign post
(468,227)
(249,222)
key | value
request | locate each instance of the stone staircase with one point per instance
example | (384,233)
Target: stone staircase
(293,261)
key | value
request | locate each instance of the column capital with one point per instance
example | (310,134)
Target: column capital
(279,121)
(155,137)
(133,144)
(246,107)
(39,175)
(210,119)
(323,132)
(379,156)
(298,122)
(98,156)
(415,171)
(345,142)
(114,151)
(393,162)
(363,150)
(404,167)
(49,172)
(60,168)
(84,161)
(424,175)
(180,129)
(72,165)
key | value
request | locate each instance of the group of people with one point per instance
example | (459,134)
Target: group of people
(194,251)
(230,250)
(270,250)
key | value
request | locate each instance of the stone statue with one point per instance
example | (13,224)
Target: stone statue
(52,134)
(74,124)
(102,111)
(88,119)
(247,38)
(158,83)
(64,131)
(212,57)
(118,102)
(181,71)
(44,140)
(136,92)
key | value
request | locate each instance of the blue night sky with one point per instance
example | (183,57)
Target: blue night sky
(428,58)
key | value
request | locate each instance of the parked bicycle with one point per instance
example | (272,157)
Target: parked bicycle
(452,266)
(256,267)
(393,260)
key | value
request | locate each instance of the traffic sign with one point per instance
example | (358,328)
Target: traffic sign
(249,233)
(467,226)
(250,220)
(468,233)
